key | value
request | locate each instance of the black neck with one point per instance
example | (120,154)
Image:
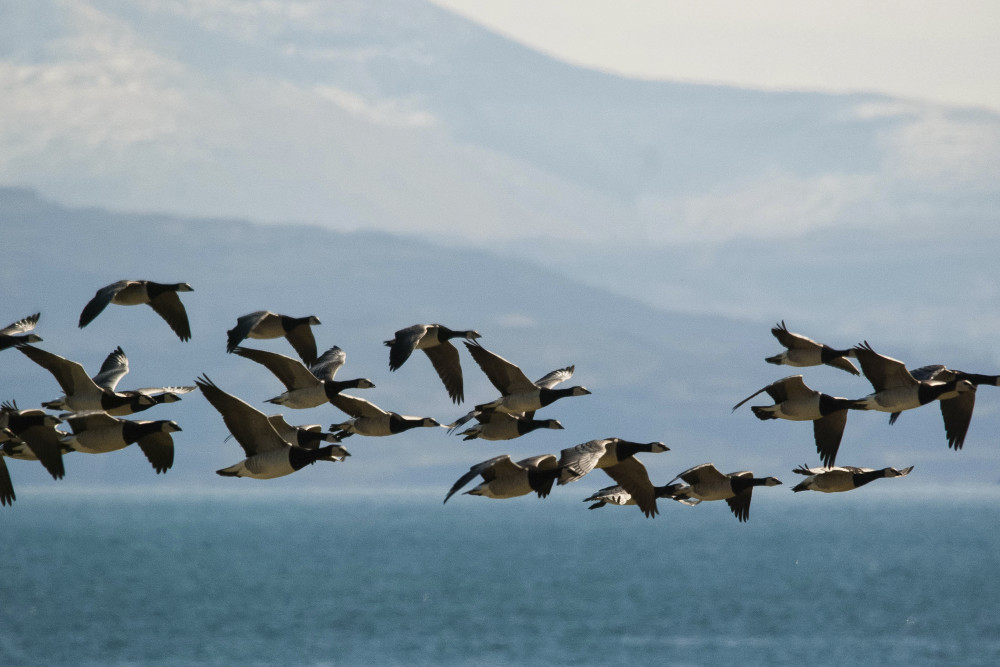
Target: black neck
(334,387)
(830,404)
(931,392)
(547,396)
(133,431)
(624,449)
(740,484)
(862,478)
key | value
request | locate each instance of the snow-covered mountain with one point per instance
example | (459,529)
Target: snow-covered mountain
(401,116)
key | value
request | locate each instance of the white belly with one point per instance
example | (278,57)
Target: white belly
(264,466)
(712,491)
(893,400)
(300,399)
(806,409)
(132,295)
(96,441)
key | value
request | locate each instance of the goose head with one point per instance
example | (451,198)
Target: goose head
(579,391)
(169,426)
(771,481)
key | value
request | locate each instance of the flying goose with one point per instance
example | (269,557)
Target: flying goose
(305,387)
(434,340)
(843,478)
(518,393)
(795,401)
(802,351)
(896,389)
(264,324)
(114,368)
(97,432)
(33,437)
(495,425)
(82,394)
(161,297)
(308,436)
(705,482)
(502,478)
(616,457)
(617,495)
(268,455)
(16,333)
(369,419)
(954,409)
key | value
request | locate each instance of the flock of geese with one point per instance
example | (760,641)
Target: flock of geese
(94,410)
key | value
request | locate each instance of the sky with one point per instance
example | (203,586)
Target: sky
(920,49)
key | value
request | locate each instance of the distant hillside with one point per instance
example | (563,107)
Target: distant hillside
(655,375)
(403,117)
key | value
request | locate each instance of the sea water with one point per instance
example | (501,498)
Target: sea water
(115,578)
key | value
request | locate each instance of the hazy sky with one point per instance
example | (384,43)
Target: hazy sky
(938,51)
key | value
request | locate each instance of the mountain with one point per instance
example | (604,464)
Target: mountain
(403,117)
(654,374)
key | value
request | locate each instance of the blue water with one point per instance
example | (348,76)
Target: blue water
(259,578)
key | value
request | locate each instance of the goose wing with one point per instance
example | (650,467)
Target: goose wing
(302,340)
(404,343)
(159,450)
(7,496)
(69,374)
(541,463)
(883,372)
(357,407)
(957,414)
(486,468)
(844,364)
(247,424)
(114,368)
(444,358)
(792,341)
(156,391)
(935,372)
(21,326)
(505,376)
(577,461)
(291,372)
(739,504)
(329,363)
(702,473)
(632,476)
(550,380)
(168,305)
(244,325)
(791,387)
(100,301)
(828,432)
(44,444)
(806,470)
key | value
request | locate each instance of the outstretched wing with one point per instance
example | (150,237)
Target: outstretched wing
(248,425)
(291,372)
(100,301)
(168,305)
(505,376)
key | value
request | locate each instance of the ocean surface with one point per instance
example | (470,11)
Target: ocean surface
(868,577)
